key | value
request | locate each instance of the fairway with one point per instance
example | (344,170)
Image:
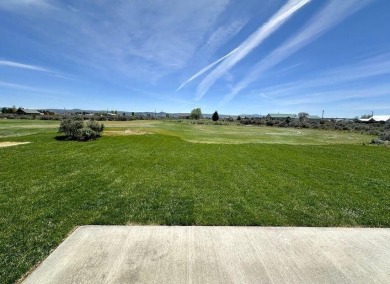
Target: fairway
(172,173)
(239,134)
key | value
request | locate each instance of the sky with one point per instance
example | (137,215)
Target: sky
(230,56)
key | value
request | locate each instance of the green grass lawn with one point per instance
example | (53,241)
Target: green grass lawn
(181,174)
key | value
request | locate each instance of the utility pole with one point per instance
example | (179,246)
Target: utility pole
(322,115)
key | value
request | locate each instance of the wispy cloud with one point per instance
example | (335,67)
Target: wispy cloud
(205,69)
(339,95)
(142,40)
(23,66)
(224,33)
(332,14)
(338,88)
(148,39)
(344,101)
(19,5)
(35,90)
(335,78)
(253,41)
(13,64)
(374,66)
(15,86)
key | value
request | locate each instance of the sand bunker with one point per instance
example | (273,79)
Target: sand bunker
(126,132)
(8,144)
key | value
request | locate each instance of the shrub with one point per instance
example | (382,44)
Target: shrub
(70,127)
(385,136)
(80,130)
(373,132)
(95,126)
(377,141)
(304,125)
(85,133)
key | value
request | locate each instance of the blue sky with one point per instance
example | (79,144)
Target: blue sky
(234,56)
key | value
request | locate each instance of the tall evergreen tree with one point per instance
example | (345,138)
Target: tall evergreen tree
(215,116)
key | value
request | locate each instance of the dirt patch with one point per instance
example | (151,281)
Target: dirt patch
(126,132)
(215,142)
(290,133)
(8,144)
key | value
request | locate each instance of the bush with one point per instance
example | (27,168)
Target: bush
(85,134)
(377,141)
(80,130)
(70,127)
(373,132)
(385,136)
(95,126)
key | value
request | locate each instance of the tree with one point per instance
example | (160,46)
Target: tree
(239,118)
(80,130)
(196,113)
(215,116)
(4,110)
(302,115)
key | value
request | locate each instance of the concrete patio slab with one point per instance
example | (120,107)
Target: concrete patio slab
(162,254)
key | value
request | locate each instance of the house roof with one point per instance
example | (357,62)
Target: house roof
(376,118)
(30,111)
(381,117)
(313,117)
(281,115)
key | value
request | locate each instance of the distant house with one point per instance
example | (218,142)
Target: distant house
(22,111)
(281,116)
(376,118)
(311,118)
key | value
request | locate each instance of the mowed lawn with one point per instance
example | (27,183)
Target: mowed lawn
(153,172)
